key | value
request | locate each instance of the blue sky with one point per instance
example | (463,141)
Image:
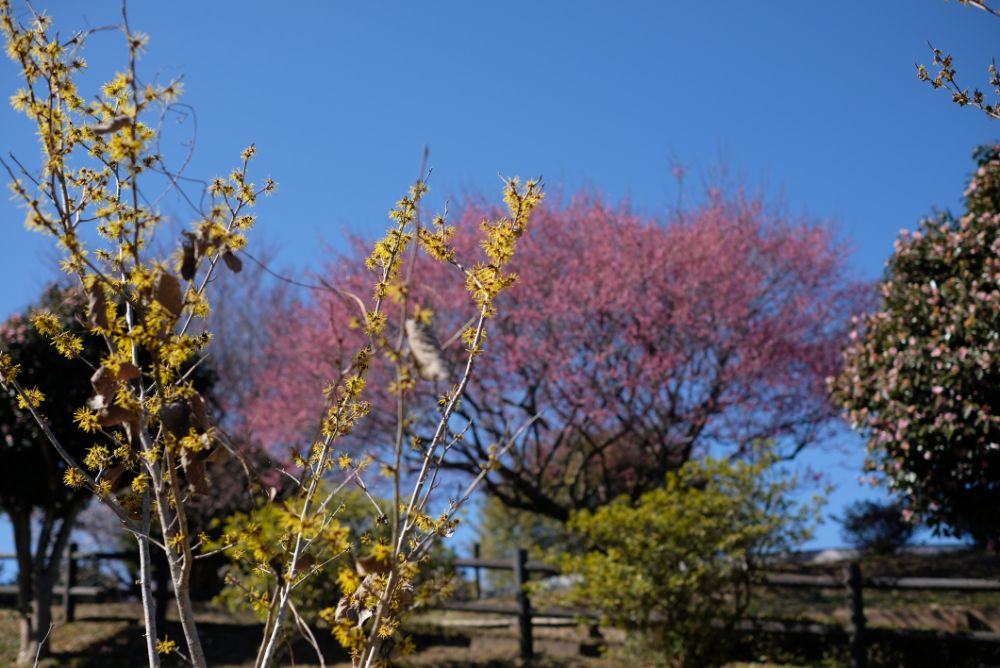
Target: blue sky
(816,103)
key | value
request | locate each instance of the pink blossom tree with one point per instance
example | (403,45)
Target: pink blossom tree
(921,374)
(639,344)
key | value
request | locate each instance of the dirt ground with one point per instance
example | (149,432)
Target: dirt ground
(109,635)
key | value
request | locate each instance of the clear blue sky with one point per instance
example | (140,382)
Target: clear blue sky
(816,102)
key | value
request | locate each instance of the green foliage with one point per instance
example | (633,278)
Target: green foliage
(921,373)
(502,530)
(343,552)
(878,528)
(676,567)
(252,539)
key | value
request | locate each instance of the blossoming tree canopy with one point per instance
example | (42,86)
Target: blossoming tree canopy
(638,343)
(921,373)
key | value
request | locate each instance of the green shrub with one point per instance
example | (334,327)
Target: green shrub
(335,570)
(877,528)
(676,567)
(249,537)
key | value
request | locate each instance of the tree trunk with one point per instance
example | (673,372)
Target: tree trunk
(180,572)
(37,570)
(34,633)
(34,593)
(185,611)
(21,521)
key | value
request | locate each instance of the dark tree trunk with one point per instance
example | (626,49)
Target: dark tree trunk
(37,571)
(27,635)
(34,643)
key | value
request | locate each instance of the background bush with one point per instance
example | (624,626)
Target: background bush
(876,527)
(676,567)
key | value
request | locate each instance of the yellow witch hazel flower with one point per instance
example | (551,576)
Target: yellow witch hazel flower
(146,416)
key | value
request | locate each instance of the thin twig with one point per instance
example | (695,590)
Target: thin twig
(41,644)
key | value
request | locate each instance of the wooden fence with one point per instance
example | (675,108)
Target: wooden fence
(70,591)
(857,634)
(853,583)
(522,569)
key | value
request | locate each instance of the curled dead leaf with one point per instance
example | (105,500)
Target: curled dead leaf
(351,609)
(104,382)
(114,414)
(127,371)
(175,418)
(134,512)
(199,412)
(426,351)
(167,291)
(371,564)
(114,474)
(346,611)
(234,263)
(306,561)
(97,307)
(111,125)
(189,262)
(194,469)
(218,456)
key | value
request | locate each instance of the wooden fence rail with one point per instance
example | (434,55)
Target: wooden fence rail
(71,592)
(883,582)
(857,633)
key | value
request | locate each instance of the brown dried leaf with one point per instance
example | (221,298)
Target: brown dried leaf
(234,263)
(194,469)
(426,351)
(111,125)
(371,564)
(199,412)
(104,383)
(127,371)
(189,263)
(167,291)
(346,611)
(114,474)
(114,414)
(175,418)
(218,456)
(134,513)
(97,307)
(204,240)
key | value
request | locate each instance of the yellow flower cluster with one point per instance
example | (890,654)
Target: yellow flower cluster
(96,153)
(487,280)
(435,241)
(32,397)
(8,369)
(166,646)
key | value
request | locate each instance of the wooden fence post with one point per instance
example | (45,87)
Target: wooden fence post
(475,554)
(69,605)
(523,604)
(859,653)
